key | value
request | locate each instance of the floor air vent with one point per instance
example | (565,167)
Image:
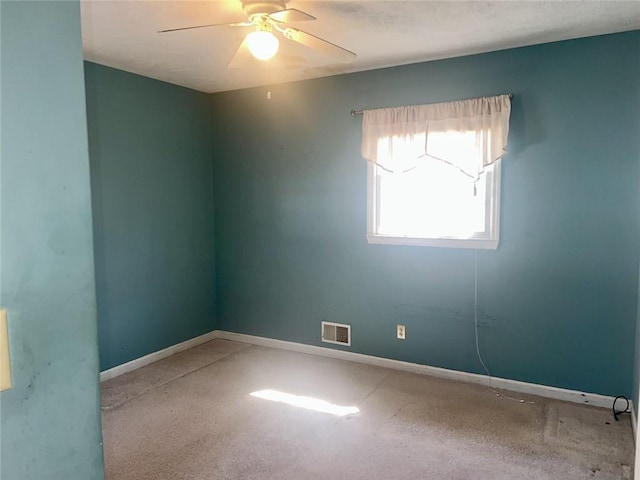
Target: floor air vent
(336,333)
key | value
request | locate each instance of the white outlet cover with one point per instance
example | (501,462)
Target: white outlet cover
(401,332)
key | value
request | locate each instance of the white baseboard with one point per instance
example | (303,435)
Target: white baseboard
(500,383)
(155,356)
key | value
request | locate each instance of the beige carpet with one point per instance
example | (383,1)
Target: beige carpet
(192,416)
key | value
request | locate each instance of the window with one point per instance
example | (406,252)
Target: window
(432,185)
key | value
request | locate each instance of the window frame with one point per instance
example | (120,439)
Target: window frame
(494,174)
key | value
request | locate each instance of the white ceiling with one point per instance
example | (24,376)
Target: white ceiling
(123,34)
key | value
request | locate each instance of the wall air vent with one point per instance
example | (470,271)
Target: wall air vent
(336,333)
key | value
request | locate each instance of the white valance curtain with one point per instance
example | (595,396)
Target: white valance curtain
(397,138)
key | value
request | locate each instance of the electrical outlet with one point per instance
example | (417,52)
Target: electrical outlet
(402,332)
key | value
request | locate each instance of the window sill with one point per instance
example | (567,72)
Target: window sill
(476,243)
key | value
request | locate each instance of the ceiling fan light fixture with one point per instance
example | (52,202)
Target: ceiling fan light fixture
(262,44)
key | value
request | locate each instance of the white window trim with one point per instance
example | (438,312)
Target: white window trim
(476,243)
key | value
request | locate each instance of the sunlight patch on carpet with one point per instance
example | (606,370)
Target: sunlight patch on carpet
(308,403)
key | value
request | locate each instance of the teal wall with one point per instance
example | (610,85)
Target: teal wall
(50,421)
(557,300)
(150,149)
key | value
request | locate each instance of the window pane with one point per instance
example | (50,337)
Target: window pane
(435,199)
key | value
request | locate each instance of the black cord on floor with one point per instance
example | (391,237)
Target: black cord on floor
(618,412)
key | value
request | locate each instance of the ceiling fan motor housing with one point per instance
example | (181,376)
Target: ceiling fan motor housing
(261,9)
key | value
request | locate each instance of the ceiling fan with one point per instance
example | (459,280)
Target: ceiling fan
(268,17)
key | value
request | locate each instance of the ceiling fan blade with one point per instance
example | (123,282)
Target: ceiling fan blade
(318,44)
(243,24)
(242,56)
(291,15)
